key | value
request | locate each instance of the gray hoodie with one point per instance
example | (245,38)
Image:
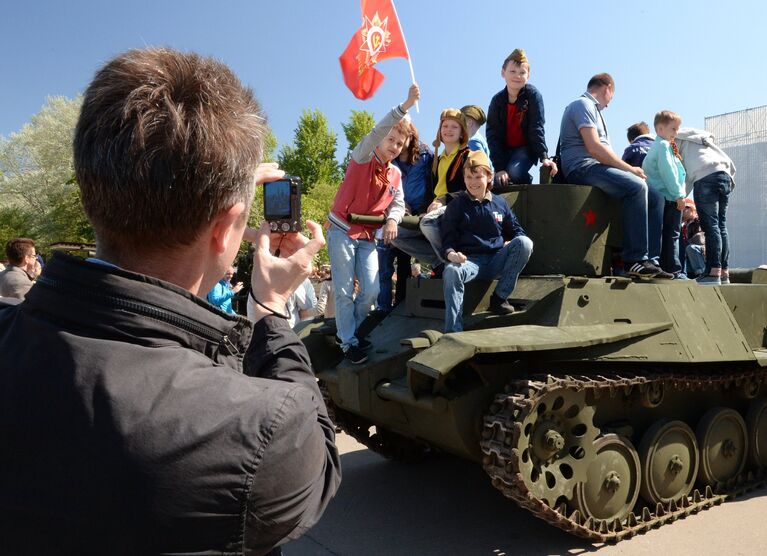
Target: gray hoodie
(701,157)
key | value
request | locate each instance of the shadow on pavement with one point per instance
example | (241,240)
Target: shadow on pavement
(443,505)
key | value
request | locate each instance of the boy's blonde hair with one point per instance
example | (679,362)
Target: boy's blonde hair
(518,57)
(666,117)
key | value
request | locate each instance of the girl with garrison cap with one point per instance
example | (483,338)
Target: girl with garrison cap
(515,121)
(447,172)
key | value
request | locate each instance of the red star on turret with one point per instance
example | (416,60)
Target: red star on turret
(591,217)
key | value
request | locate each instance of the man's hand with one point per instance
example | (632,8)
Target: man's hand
(502,177)
(551,164)
(413,94)
(456,257)
(389,231)
(638,172)
(275,278)
(268,171)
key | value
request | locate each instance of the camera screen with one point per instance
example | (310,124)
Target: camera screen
(277,199)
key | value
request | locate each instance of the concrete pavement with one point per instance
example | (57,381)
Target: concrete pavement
(447,506)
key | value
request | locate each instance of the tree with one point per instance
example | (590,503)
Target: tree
(312,155)
(361,122)
(270,145)
(36,177)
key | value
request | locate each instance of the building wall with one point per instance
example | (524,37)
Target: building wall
(743,136)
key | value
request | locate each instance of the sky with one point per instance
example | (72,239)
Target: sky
(697,58)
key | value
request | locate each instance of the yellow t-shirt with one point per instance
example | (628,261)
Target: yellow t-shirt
(444,163)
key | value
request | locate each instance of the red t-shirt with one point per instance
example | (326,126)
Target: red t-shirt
(514,135)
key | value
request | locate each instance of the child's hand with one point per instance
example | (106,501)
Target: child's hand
(433,206)
(413,94)
(389,231)
(680,204)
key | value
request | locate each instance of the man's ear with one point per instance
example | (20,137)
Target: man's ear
(227,227)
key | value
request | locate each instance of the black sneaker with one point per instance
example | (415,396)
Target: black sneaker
(361,342)
(500,306)
(644,269)
(355,355)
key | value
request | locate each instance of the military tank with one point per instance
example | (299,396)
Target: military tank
(603,405)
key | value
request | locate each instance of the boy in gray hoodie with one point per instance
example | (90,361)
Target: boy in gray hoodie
(711,174)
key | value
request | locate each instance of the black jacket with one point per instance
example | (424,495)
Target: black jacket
(530,102)
(127,425)
(455,183)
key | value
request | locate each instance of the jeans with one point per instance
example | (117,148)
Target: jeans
(425,246)
(518,166)
(638,206)
(712,194)
(387,254)
(696,260)
(669,249)
(505,264)
(350,258)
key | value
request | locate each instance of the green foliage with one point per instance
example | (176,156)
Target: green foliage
(312,155)
(270,145)
(38,195)
(361,122)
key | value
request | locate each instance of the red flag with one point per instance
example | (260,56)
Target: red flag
(379,38)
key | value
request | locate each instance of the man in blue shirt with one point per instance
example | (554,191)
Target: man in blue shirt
(481,239)
(588,158)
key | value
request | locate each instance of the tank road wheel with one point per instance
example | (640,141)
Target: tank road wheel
(723,442)
(556,444)
(757,432)
(612,483)
(669,456)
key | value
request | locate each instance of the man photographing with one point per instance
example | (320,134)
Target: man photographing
(135,418)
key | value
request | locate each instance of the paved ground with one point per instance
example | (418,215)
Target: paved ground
(447,506)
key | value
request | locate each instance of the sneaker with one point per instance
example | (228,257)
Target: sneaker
(500,306)
(709,281)
(361,342)
(644,269)
(725,279)
(355,355)
(663,274)
(680,276)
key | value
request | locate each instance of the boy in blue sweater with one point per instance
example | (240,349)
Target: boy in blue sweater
(481,239)
(666,176)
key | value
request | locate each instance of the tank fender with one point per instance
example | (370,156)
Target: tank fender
(455,348)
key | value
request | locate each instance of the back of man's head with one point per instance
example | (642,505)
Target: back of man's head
(637,129)
(164,143)
(17,250)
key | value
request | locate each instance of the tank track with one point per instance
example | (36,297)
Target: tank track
(502,429)
(385,443)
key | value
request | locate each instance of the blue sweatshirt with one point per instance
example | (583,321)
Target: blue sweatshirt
(476,227)
(416,178)
(664,170)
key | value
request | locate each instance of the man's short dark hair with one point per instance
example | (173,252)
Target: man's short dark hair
(601,79)
(637,129)
(18,248)
(164,143)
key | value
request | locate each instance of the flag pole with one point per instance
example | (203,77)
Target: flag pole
(407,51)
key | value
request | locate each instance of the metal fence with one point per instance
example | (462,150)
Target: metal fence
(743,136)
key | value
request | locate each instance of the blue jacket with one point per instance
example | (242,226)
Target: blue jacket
(530,102)
(221,296)
(664,170)
(416,179)
(637,150)
(476,227)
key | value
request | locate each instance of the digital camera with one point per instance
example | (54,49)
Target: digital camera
(282,204)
